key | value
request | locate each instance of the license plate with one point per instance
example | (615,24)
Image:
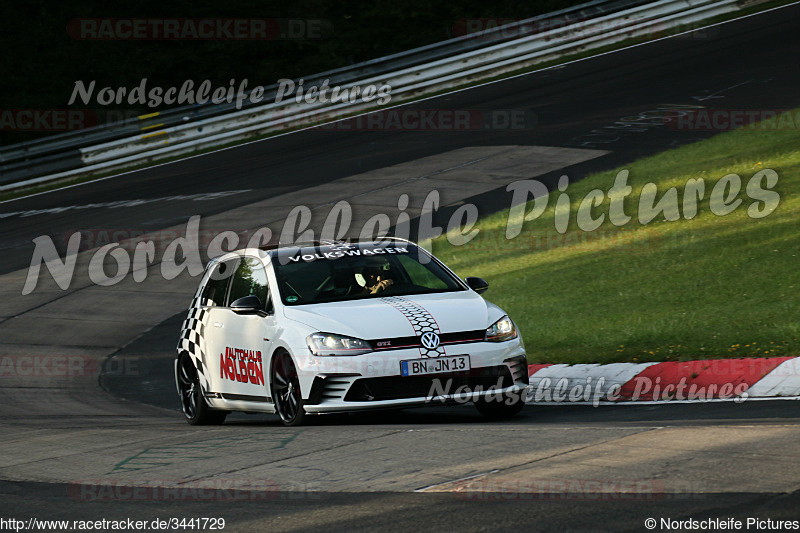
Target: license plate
(437,365)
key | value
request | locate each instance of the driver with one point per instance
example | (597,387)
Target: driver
(377,280)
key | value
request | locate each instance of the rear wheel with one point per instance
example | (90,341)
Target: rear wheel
(496,407)
(194,406)
(286,394)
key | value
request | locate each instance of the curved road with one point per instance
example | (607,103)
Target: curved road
(71,450)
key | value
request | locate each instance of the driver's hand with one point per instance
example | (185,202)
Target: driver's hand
(381,286)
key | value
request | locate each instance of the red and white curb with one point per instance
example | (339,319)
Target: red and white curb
(675,381)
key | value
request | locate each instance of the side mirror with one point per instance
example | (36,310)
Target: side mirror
(247,305)
(478,285)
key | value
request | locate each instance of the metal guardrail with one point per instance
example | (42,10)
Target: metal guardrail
(61,152)
(422,70)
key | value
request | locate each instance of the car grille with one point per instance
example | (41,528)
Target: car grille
(399,387)
(458,337)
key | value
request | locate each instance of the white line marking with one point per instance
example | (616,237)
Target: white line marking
(667,402)
(199,197)
(423,489)
(718,94)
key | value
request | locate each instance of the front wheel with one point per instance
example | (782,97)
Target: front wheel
(194,406)
(501,407)
(286,390)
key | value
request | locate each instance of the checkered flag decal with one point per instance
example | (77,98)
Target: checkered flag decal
(421,320)
(192,340)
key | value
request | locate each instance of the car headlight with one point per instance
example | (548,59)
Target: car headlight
(502,330)
(328,344)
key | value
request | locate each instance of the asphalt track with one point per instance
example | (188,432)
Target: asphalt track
(65,438)
(748,64)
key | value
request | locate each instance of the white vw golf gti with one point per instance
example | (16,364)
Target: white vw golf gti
(333,326)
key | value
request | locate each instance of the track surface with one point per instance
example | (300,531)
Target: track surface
(360,472)
(347,472)
(748,64)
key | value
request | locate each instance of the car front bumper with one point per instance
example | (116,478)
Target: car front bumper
(374,380)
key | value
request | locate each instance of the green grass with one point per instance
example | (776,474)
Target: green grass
(713,286)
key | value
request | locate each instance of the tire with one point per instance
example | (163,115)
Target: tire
(195,409)
(495,409)
(285,387)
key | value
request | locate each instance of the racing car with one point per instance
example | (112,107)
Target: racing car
(332,326)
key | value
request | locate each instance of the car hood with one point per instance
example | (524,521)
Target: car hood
(374,318)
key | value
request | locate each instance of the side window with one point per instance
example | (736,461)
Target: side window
(217,284)
(250,278)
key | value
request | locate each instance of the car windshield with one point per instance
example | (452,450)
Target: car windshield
(355,271)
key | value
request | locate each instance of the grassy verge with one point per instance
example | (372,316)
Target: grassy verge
(709,286)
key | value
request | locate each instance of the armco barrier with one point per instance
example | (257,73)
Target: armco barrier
(57,152)
(445,65)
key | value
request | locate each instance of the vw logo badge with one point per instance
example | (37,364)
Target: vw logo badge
(430,340)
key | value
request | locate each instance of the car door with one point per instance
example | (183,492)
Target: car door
(242,342)
(197,335)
